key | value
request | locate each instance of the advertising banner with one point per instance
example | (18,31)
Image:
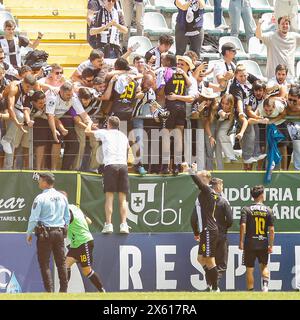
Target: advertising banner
(19,270)
(148,262)
(165,204)
(18,192)
(155,203)
(169,262)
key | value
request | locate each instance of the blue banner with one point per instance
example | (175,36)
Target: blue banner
(148,262)
(151,262)
(19,270)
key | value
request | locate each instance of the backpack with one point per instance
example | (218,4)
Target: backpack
(36,58)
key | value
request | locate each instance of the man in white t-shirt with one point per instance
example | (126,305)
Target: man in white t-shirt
(115,149)
(95,62)
(281,46)
(64,106)
(224,69)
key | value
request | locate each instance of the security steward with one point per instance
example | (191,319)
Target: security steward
(49,217)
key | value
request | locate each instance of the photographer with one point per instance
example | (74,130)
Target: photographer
(49,217)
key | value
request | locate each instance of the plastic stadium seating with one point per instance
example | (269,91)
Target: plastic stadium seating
(55,29)
(155,24)
(209,27)
(267,24)
(145,45)
(241,54)
(47,8)
(261,6)
(298,70)
(68,71)
(173,47)
(149,6)
(173,20)
(225,5)
(253,68)
(66,61)
(166,6)
(68,54)
(257,50)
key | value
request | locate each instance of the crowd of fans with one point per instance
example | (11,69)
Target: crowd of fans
(167,89)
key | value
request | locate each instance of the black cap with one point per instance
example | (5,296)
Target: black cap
(228,46)
(49,177)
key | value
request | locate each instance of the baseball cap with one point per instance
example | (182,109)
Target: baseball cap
(48,175)
(228,46)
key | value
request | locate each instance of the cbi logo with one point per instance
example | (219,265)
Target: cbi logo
(147,206)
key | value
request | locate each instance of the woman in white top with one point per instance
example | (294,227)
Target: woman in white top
(54,79)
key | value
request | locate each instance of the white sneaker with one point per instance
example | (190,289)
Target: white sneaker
(260,157)
(124,228)
(265,289)
(250,160)
(108,228)
(6,146)
(222,27)
(218,290)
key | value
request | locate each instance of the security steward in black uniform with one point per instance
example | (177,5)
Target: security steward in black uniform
(49,217)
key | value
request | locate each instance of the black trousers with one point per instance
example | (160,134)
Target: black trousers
(54,243)
(222,254)
(71,144)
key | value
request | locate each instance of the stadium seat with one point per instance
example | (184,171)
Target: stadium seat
(297,54)
(166,6)
(155,24)
(209,6)
(68,71)
(81,51)
(66,61)
(45,4)
(145,45)
(44,8)
(261,6)
(225,5)
(267,24)
(257,50)
(55,29)
(253,68)
(173,47)
(241,54)
(173,20)
(149,7)
(298,70)
(209,27)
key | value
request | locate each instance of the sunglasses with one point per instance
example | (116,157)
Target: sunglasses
(294,101)
(111,1)
(59,72)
